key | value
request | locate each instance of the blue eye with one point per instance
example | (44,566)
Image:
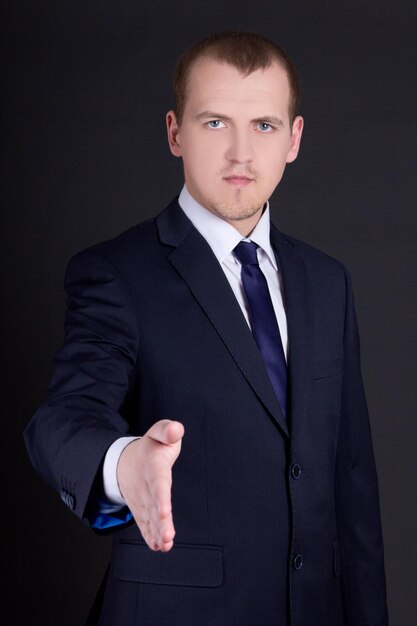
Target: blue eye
(265,127)
(214,124)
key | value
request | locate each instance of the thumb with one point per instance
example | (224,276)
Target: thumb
(166,431)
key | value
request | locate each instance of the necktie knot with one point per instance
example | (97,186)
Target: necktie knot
(245,251)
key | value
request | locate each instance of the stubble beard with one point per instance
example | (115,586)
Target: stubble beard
(235,212)
(241,207)
(238,205)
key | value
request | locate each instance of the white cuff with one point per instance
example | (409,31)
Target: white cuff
(110,484)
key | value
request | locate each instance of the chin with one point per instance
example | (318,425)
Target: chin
(240,210)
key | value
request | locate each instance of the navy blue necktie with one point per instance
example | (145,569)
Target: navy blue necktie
(264,323)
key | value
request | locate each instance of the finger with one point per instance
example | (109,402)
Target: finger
(151,532)
(166,431)
(158,535)
(140,508)
(160,491)
(154,514)
(166,547)
(146,533)
(151,541)
(166,531)
(162,530)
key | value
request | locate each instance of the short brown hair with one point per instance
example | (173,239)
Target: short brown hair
(244,50)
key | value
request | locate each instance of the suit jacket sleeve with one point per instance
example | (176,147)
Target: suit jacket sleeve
(356,493)
(68,436)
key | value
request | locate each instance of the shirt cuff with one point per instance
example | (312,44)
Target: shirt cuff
(110,484)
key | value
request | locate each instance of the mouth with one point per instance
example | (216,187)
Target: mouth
(238,181)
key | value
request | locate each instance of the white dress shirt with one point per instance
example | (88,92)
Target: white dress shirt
(222,237)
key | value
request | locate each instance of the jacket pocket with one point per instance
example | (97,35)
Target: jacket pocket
(336,558)
(185,565)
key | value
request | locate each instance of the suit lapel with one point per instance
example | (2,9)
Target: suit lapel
(194,260)
(299,322)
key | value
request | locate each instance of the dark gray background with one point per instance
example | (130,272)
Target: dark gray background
(84,90)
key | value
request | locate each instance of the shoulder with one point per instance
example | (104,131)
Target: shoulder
(111,260)
(315,260)
(327,278)
(137,247)
(141,244)
(131,242)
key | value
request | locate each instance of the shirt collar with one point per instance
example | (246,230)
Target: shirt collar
(221,236)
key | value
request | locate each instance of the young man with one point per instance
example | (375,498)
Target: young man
(207,403)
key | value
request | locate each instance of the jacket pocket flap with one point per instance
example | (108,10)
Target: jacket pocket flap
(187,565)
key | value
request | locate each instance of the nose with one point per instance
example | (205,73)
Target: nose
(240,149)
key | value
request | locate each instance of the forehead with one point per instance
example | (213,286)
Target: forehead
(212,83)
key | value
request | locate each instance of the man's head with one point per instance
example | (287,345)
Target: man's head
(236,124)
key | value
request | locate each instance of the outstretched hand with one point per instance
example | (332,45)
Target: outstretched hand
(144,474)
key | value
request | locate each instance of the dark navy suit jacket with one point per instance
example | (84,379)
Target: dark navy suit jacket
(275,524)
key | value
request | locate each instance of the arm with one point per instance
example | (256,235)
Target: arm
(356,493)
(70,434)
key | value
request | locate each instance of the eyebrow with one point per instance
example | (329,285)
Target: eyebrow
(212,115)
(270,119)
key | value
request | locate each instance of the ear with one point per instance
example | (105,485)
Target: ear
(296,132)
(173,133)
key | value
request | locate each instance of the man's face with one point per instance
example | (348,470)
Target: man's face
(235,138)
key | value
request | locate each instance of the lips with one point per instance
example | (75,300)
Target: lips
(238,180)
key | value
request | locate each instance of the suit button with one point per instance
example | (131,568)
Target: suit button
(296,471)
(298,561)
(68,499)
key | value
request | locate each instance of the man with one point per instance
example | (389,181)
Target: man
(207,403)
